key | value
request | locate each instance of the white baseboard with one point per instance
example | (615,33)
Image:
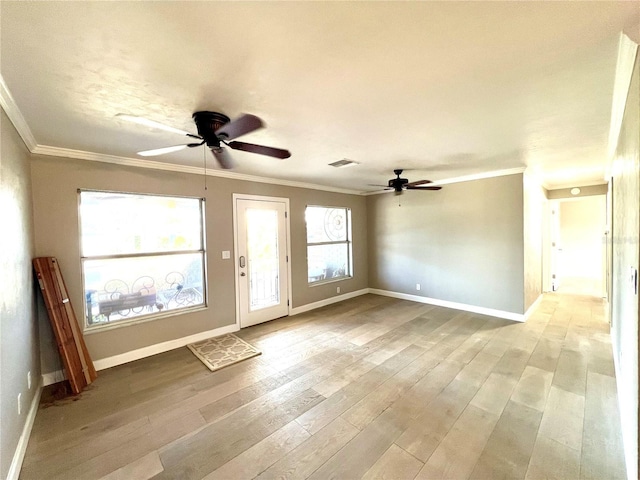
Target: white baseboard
(103,363)
(327,301)
(53,377)
(532,308)
(161,347)
(21,448)
(516,317)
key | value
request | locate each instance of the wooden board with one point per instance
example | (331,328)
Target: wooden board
(75,356)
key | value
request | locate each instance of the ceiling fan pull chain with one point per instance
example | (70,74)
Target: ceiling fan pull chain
(204,161)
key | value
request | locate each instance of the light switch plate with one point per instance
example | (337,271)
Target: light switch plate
(226,254)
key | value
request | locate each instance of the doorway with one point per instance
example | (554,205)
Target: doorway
(261,241)
(578,253)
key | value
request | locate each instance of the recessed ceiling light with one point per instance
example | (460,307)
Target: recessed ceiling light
(575,191)
(343,163)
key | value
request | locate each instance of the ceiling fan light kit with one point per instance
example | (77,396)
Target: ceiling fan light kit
(216,130)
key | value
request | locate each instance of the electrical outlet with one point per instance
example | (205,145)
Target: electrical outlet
(417,286)
(338,290)
(29,379)
(19,403)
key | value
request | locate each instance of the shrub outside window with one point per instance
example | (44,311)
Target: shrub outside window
(328,243)
(142,256)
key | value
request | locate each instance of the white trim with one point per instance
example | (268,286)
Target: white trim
(481,176)
(328,301)
(140,163)
(23,441)
(464,178)
(99,328)
(15,115)
(53,377)
(261,198)
(627,49)
(516,317)
(532,308)
(144,352)
(10,107)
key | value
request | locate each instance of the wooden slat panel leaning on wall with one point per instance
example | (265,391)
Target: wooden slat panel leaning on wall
(75,356)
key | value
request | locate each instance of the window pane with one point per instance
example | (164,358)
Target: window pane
(326,224)
(121,223)
(327,261)
(264,264)
(124,288)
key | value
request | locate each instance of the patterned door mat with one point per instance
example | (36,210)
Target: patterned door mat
(219,352)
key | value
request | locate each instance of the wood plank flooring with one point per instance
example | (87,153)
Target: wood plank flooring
(372,387)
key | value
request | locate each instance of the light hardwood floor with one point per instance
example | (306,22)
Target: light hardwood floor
(372,387)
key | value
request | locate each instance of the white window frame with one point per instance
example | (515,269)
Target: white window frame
(93,328)
(348,242)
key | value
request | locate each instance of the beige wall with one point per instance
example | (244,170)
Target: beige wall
(55,185)
(19,349)
(584,192)
(626,256)
(463,243)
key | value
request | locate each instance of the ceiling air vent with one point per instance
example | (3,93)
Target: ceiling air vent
(343,163)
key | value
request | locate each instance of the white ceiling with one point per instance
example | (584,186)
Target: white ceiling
(443,89)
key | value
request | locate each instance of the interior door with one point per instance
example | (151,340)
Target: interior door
(262,273)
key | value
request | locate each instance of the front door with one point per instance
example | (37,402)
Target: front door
(262,271)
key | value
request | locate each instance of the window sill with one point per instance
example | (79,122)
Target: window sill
(329,280)
(138,320)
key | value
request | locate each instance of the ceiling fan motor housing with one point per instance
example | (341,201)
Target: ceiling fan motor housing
(398,183)
(207,124)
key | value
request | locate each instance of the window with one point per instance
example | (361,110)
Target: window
(142,255)
(328,243)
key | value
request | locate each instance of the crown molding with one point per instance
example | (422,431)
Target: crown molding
(139,163)
(627,50)
(465,178)
(481,176)
(13,112)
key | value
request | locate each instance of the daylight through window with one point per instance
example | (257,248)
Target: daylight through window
(142,255)
(328,243)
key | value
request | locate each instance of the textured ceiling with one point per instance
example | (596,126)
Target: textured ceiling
(443,89)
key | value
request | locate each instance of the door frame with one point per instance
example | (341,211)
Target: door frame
(236,268)
(556,222)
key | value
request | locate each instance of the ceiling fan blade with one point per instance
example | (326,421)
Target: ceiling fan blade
(418,182)
(223,157)
(260,149)
(411,187)
(240,126)
(162,151)
(151,123)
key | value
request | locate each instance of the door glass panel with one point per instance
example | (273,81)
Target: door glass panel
(263,260)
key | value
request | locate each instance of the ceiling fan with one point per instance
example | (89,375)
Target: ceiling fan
(216,131)
(399,184)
